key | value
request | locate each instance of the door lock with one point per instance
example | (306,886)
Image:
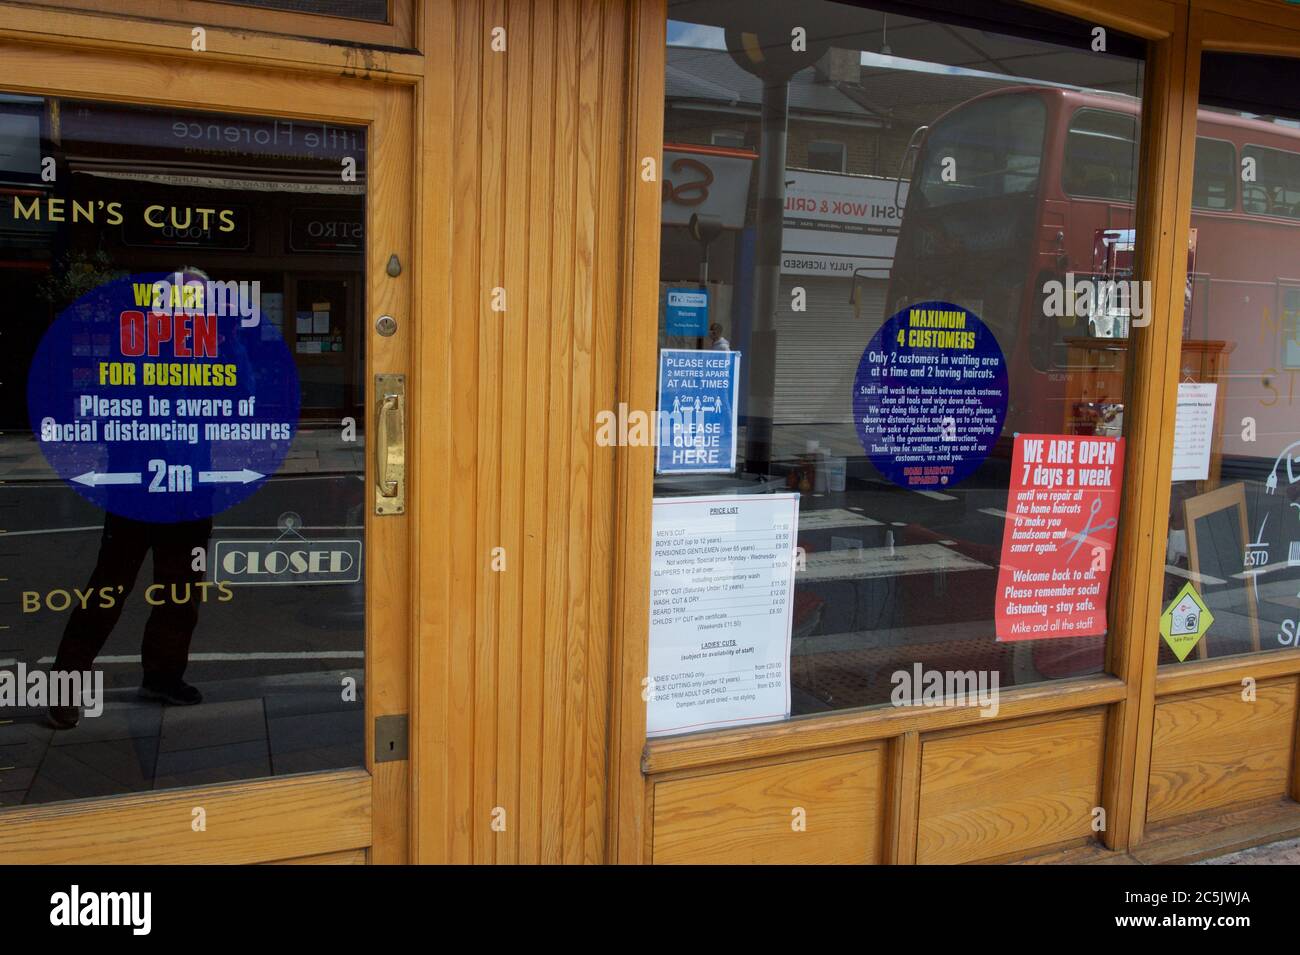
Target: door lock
(392,738)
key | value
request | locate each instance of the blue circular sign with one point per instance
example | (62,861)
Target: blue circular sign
(164,397)
(930,395)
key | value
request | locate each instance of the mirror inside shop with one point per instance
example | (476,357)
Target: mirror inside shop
(182,408)
(896,296)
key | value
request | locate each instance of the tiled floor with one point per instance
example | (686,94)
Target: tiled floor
(244,729)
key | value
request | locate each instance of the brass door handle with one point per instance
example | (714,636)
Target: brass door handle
(390,444)
(387,485)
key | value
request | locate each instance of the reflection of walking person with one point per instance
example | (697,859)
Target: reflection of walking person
(166,647)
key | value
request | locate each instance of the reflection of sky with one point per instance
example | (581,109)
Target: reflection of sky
(696,35)
(1293,124)
(705,37)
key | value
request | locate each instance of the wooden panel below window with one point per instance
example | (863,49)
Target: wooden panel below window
(1000,792)
(746,815)
(1213,749)
(349,857)
(261,820)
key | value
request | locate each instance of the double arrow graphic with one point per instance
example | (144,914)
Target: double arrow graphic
(93,479)
(229,477)
(96,479)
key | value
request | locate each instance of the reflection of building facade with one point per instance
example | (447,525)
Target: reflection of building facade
(137,190)
(851,119)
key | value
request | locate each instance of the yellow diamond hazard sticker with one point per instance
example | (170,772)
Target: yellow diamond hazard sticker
(1185,621)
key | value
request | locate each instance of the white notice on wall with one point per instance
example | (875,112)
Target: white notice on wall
(721,596)
(1194,430)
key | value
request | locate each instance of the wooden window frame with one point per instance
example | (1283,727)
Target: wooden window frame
(1128,687)
(397,32)
(1265,28)
(71,28)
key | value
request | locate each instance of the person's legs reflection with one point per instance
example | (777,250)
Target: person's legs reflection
(121,552)
(166,645)
(166,649)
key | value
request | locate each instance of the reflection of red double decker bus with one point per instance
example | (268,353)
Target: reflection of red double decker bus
(1040,189)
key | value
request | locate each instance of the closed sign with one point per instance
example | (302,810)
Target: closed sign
(287,562)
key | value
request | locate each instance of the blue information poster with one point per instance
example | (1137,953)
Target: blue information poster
(930,396)
(163,399)
(687,312)
(696,430)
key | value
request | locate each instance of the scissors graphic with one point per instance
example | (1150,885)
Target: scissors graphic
(1088,528)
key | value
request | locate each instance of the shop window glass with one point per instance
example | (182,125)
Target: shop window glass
(992,149)
(375,11)
(1232,563)
(181,420)
(1276,188)
(826,155)
(1099,155)
(907,350)
(1214,184)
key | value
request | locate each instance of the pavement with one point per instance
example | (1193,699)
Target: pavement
(244,729)
(1285,852)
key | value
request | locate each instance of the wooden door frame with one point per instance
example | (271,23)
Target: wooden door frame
(294,816)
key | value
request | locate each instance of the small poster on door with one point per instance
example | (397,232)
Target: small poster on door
(696,428)
(1058,539)
(1194,430)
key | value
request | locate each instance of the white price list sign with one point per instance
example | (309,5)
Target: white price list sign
(721,600)
(1194,430)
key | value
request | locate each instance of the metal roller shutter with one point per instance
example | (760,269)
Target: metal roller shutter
(818,350)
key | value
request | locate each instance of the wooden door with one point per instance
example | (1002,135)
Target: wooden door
(301,643)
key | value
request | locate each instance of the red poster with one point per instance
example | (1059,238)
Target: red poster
(1059,538)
